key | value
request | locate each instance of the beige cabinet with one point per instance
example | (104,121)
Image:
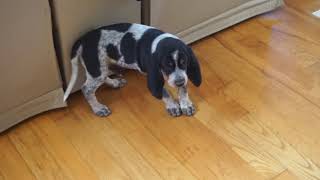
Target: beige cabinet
(29,74)
(192,20)
(76,17)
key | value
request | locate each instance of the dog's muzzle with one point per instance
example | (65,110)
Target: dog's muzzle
(179,82)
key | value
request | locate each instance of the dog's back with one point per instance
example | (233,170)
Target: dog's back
(117,42)
(138,47)
(120,27)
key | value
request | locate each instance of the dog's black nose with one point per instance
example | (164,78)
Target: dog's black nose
(179,82)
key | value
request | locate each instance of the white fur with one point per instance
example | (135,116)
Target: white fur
(114,38)
(74,75)
(177,72)
(173,75)
(158,39)
(138,30)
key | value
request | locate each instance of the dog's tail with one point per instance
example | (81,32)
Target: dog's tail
(74,75)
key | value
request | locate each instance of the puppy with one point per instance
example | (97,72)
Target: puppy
(159,55)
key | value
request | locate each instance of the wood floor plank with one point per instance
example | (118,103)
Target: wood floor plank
(299,50)
(221,113)
(258,144)
(256,82)
(132,163)
(42,164)
(307,7)
(290,21)
(92,151)
(201,151)
(1,176)
(282,58)
(286,175)
(63,151)
(144,142)
(12,166)
(299,164)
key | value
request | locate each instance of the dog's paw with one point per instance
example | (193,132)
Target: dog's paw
(119,83)
(174,110)
(188,108)
(103,112)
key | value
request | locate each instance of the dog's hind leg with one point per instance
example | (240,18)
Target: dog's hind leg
(117,82)
(172,106)
(88,89)
(106,67)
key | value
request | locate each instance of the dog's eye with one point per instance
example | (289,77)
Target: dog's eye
(183,61)
(170,64)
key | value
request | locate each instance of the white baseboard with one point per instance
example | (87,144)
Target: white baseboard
(227,19)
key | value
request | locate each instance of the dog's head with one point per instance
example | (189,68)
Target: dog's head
(174,62)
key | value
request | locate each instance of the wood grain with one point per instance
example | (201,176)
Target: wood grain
(200,150)
(64,153)
(38,158)
(148,145)
(272,91)
(286,175)
(94,153)
(258,115)
(11,162)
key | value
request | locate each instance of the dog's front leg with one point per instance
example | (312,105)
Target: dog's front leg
(172,106)
(186,105)
(115,83)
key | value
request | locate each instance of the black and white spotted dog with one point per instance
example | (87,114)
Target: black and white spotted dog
(160,55)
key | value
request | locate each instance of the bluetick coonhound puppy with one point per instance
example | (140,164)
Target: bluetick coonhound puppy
(159,55)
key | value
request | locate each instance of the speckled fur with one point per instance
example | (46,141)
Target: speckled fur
(186,105)
(172,106)
(112,38)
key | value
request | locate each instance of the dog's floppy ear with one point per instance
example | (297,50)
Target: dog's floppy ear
(154,76)
(193,68)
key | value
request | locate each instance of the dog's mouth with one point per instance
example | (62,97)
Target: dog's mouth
(176,80)
(177,84)
(180,84)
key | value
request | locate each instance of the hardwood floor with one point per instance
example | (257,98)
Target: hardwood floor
(258,116)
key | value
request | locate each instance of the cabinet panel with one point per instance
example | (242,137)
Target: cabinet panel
(76,17)
(28,65)
(178,15)
(192,20)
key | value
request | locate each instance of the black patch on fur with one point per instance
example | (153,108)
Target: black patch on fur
(150,63)
(113,52)
(144,56)
(193,69)
(128,48)
(89,42)
(120,27)
(90,57)
(75,48)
